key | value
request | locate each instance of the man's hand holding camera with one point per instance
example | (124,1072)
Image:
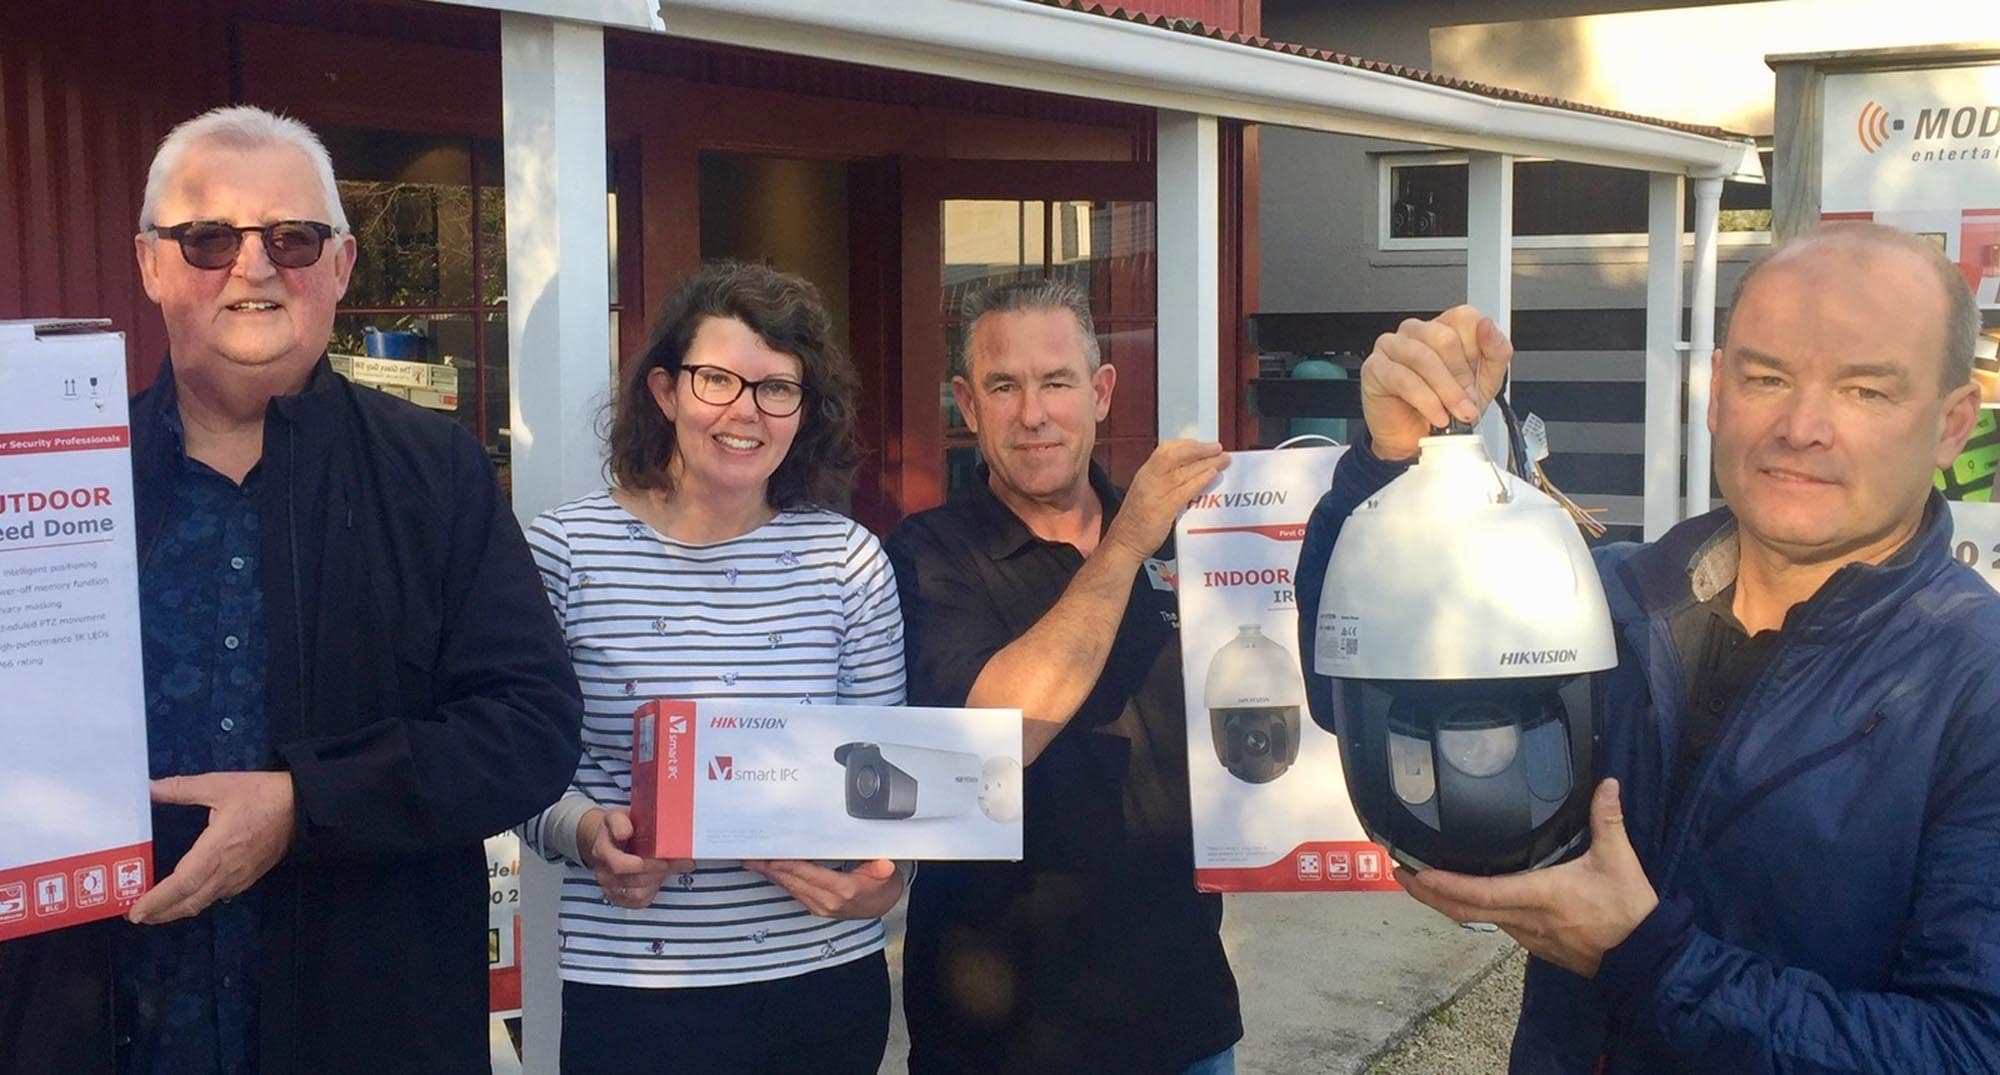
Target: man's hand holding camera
(1569,914)
(1427,373)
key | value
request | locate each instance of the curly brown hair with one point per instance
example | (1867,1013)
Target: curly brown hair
(788,314)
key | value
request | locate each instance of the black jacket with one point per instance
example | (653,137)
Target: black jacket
(422,698)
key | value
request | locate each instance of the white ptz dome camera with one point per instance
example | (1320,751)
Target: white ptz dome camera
(1254,693)
(1460,617)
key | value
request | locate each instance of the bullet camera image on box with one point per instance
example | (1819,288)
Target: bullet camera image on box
(1461,619)
(897,782)
(1254,693)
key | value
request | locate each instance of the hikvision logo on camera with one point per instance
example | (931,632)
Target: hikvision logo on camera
(723,767)
(1538,656)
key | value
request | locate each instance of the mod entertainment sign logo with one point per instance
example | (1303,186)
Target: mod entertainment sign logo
(1876,127)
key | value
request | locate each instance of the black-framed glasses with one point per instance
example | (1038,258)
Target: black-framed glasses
(776,397)
(214,244)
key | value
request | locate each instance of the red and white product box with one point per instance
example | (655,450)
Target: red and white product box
(1269,803)
(76,844)
(734,780)
(503,925)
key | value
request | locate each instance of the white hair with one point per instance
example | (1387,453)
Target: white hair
(239,127)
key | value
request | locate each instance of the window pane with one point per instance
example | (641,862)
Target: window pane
(422,358)
(961,469)
(954,342)
(1428,201)
(987,242)
(409,201)
(492,245)
(1564,198)
(1556,198)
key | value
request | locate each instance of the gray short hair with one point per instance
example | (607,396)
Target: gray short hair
(239,127)
(1962,323)
(1042,293)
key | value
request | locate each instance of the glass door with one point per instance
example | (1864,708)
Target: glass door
(1089,224)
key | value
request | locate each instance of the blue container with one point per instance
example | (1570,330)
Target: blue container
(1319,369)
(391,344)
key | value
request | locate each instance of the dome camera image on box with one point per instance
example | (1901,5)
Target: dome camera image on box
(897,782)
(1254,693)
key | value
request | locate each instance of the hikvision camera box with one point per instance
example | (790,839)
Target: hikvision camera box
(735,780)
(1269,802)
(75,820)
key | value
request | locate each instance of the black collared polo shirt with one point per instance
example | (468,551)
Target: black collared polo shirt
(1095,953)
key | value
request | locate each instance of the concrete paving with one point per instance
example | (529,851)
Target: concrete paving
(1328,981)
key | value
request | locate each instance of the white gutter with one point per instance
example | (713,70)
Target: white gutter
(1056,50)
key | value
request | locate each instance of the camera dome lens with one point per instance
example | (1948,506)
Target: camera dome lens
(867,781)
(1480,751)
(1258,743)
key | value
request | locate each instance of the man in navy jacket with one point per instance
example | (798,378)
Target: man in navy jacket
(1796,867)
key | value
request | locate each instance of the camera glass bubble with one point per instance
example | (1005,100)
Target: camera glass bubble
(1480,751)
(867,781)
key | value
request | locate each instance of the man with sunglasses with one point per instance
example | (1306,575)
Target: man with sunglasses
(352,677)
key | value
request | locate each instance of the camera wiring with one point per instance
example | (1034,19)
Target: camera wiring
(1527,465)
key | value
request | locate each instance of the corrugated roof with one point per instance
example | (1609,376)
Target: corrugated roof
(1415,74)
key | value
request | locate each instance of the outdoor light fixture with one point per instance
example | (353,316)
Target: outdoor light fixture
(1254,694)
(1460,619)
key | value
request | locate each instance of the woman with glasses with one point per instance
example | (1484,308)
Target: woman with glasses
(707,570)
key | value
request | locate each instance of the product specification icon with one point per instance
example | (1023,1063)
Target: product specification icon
(128,876)
(91,887)
(51,895)
(1308,865)
(1339,866)
(13,901)
(1368,865)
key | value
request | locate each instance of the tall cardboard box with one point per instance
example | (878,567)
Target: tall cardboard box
(1270,806)
(75,822)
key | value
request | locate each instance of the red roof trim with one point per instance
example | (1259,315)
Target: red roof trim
(1415,74)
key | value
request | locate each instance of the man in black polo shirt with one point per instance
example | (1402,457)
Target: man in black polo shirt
(1046,589)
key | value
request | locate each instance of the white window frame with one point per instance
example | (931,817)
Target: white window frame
(1386,163)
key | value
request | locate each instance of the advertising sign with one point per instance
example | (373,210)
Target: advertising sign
(1920,149)
(76,842)
(1269,801)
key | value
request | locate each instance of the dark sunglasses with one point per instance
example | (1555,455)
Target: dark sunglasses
(214,244)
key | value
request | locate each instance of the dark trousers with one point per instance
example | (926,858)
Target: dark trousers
(834,1021)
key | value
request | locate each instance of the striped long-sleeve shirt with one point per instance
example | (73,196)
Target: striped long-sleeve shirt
(802,609)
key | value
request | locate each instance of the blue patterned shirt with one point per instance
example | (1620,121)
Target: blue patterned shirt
(188,991)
